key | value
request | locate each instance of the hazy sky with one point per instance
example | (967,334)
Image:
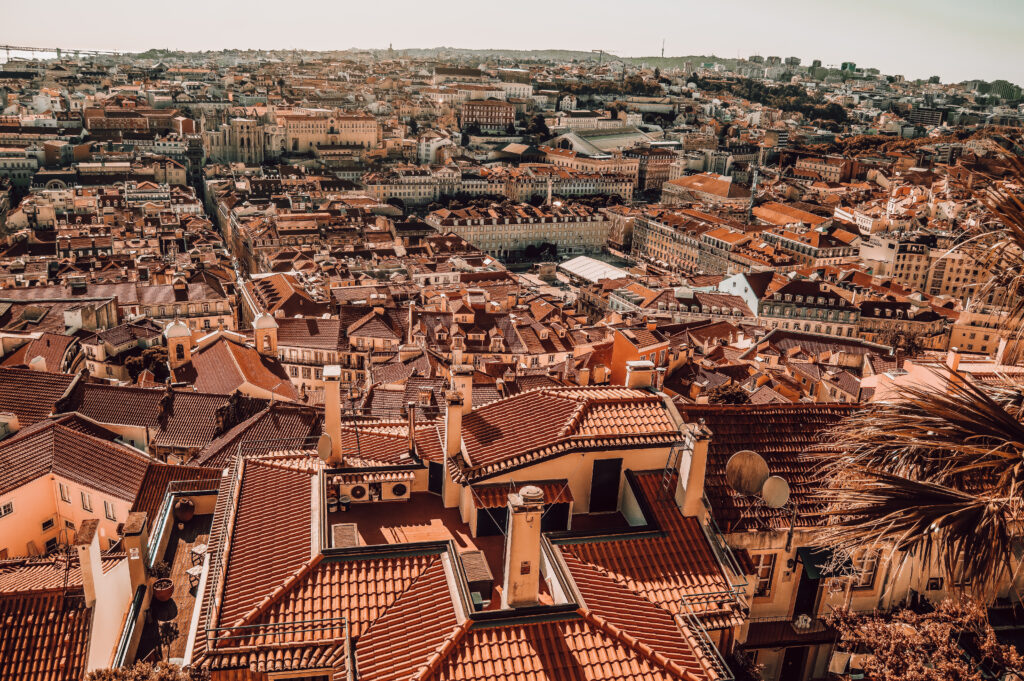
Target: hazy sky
(955,39)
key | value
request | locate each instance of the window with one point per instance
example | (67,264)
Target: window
(86,501)
(51,545)
(867,567)
(65,493)
(47,524)
(69,525)
(764,570)
(7,509)
(108,510)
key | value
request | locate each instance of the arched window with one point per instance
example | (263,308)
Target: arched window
(179,351)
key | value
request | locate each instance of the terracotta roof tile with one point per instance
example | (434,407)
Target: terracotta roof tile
(43,637)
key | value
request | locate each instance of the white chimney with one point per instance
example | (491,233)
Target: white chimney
(953,359)
(332,411)
(37,363)
(87,545)
(639,373)
(522,548)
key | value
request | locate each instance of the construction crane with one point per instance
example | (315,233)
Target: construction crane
(54,50)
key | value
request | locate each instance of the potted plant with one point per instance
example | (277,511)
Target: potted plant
(344,501)
(163,587)
(184,510)
(332,504)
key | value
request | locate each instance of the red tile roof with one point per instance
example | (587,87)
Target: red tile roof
(568,647)
(778,432)
(225,365)
(497,438)
(665,569)
(270,538)
(58,447)
(31,394)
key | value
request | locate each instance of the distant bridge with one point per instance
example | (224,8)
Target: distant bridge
(59,51)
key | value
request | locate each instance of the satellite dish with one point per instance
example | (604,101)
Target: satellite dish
(746,472)
(775,492)
(323,447)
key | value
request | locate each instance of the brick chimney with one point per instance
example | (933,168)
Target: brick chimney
(522,548)
(332,411)
(87,546)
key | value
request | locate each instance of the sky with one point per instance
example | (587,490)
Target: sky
(954,39)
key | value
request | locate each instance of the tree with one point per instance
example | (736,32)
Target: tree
(414,127)
(471,129)
(954,642)
(167,633)
(728,393)
(911,343)
(510,129)
(538,127)
(657,73)
(936,472)
(145,671)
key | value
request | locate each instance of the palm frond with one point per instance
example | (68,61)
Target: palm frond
(934,474)
(963,436)
(970,535)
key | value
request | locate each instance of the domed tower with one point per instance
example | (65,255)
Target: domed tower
(179,343)
(265,334)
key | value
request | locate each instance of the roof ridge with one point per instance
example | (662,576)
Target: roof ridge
(434,661)
(636,645)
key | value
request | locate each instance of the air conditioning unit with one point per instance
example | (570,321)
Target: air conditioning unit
(391,491)
(359,493)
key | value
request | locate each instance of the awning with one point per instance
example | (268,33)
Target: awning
(816,559)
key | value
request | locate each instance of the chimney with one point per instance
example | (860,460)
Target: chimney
(583,376)
(87,545)
(953,359)
(37,363)
(332,411)
(453,424)
(135,535)
(639,373)
(522,548)
(462,383)
(659,378)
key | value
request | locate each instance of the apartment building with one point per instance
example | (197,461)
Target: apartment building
(507,231)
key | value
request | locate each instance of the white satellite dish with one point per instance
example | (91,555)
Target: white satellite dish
(775,492)
(746,472)
(323,447)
